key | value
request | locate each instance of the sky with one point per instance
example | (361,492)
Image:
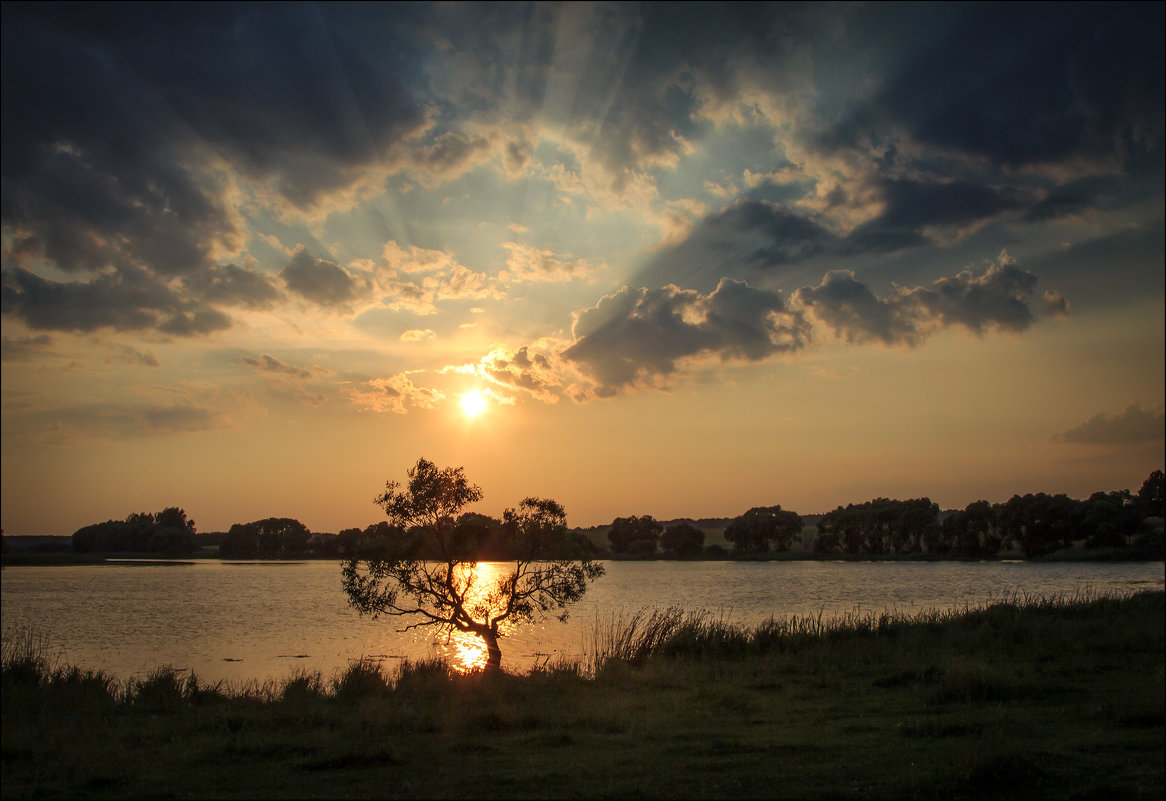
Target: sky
(675,260)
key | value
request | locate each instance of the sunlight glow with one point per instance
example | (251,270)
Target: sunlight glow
(467,652)
(473,403)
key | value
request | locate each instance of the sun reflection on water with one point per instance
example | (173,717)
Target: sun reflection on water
(466,651)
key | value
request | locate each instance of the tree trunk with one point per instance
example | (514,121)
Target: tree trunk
(494,658)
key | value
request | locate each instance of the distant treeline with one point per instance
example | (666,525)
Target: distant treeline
(1033,525)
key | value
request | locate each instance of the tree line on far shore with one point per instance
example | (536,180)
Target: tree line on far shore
(1034,525)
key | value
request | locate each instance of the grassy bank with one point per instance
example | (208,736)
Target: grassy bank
(1037,698)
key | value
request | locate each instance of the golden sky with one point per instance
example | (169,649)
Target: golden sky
(666,259)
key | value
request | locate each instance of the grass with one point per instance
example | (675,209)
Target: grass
(1032,697)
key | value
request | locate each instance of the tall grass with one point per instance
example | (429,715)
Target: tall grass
(618,641)
(673,632)
(1009,699)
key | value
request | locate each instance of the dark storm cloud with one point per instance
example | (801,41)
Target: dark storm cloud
(638,336)
(849,308)
(116,119)
(319,280)
(999,299)
(1020,84)
(231,285)
(638,71)
(914,207)
(273,88)
(749,235)
(1133,425)
(127,300)
(762,235)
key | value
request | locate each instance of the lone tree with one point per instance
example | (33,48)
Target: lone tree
(391,577)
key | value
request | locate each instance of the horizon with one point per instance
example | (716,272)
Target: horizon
(677,260)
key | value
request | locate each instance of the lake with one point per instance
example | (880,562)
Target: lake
(239,622)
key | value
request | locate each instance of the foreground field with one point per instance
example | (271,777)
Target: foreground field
(1044,698)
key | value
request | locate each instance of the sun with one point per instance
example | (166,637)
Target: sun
(473,403)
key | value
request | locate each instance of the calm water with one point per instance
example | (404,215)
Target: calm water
(239,622)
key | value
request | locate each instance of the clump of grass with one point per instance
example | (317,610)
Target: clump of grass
(362,680)
(633,639)
(303,687)
(24,655)
(162,690)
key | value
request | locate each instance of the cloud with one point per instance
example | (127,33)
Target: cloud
(227,106)
(527,263)
(748,235)
(852,311)
(231,285)
(125,300)
(1055,303)
(415,259)
(441,278)
(22,349)
(68,426)
(1133,425)
(182,417)
(917,212)
(999,299)
(127,354)
(640,338)
(321,281)
(394,394)
(266,363)
(286,380)
(1071,95)
(418,335)
(536,369)
(447,156)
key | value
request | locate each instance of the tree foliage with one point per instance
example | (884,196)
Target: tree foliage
(1152,495)
(168,532)
(392,576)
(635,535)
(752,532)
(881,526)
(270,538)
(682,541)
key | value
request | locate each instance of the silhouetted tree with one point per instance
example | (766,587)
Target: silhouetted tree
(883,526)
(168,532)
(973,532)
(1152,495)
(1040,523)
(1109,519)
(389,578)
(682,540)
(625,531)
(753,531)
(270,538)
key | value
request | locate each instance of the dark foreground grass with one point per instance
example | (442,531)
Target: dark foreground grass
(1032,698)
